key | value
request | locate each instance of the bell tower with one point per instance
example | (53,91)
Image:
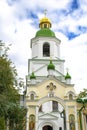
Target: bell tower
(44,45)
(50,96)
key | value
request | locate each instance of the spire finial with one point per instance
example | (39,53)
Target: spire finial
(32,69)
(67,69)
(45,12)
(67,74)
(51,56)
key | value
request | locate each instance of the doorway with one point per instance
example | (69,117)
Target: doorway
(47,127)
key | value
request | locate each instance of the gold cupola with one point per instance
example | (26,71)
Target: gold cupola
(45,25)
(45,22)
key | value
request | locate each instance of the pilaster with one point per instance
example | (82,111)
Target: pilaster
(36,123)
(67,118)
(76,119)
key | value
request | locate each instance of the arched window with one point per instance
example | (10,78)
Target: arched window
(46,50)
(32,96)
(55,105)
(70,96)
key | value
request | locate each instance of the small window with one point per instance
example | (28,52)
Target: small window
(70,96)
(32,96)
(45,25)
(55,106)
(46,50)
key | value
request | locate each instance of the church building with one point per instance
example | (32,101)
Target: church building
(50,97)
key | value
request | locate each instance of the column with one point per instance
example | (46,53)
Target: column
(76,119)
(83,121)
(36,122)
(84,116)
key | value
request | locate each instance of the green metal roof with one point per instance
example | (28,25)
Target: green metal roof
(51,66)
(67,76)
(32,76)
(45,32)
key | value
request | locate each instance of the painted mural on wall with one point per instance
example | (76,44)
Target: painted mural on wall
(31,122)
(72,121)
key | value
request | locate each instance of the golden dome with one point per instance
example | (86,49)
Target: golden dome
(45,20)
(45,23)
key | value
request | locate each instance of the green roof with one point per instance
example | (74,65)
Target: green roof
(51,66)
(32,76)
(45,32)
(67,76)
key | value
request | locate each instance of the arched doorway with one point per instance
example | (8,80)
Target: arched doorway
(53,110)
(47,127)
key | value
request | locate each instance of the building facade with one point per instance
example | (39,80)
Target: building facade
(50,97)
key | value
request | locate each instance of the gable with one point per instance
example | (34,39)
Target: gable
(43,89)
(48,116)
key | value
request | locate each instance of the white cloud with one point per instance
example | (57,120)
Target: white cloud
(16,28)
(75,54)
(48,4)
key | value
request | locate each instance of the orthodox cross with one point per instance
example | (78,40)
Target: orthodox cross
(67,69)
(45,12)
(50,56)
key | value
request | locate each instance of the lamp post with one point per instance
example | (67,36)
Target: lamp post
(63,115)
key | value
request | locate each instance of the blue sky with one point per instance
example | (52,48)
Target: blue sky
(19,21)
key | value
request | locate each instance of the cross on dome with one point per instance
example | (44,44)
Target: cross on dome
(45,12)
(67,69)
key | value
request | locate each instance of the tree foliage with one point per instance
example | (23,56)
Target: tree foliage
(82,97)
(83,93)
(7,75)
(7,70)
(9,98)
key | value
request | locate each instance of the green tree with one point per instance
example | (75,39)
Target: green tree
(9,98)
(7,81)
(17,117)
